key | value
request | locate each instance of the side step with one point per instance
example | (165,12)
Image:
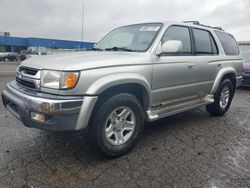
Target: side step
(171,108)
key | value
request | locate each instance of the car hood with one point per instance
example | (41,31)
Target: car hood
(86,60)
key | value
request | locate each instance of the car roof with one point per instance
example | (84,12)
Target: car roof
(194,24)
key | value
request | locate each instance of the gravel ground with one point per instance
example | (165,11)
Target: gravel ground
(191,149)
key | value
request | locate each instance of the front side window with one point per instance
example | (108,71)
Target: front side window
(179,33)
(228,42)
(204,42)
(133,37)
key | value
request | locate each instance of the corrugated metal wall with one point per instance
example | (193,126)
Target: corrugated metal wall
(244,46)
(40,42)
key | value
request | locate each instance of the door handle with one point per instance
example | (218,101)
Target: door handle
(191,66)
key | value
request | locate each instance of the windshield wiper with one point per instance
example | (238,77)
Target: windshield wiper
(119,49)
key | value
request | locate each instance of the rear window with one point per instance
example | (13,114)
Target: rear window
(228,42)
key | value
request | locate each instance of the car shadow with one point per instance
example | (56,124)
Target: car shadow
(244,88)
(76,143)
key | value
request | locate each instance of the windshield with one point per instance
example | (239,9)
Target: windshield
(130,38)
(246,56)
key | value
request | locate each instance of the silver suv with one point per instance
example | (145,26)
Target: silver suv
(136,73)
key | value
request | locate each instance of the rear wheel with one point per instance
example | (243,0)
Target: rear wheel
(117,124)
(222,98)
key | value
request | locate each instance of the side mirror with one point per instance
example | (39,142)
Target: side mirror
(170,46)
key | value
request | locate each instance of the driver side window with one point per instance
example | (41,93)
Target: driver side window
(179,33)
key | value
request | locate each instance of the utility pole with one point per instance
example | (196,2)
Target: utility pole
(82,23)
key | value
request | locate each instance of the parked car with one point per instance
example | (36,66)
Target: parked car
(25,54)
(246,69)
(136,73)
(9,56)
(1,56)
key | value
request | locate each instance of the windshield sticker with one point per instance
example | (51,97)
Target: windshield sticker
(150,28)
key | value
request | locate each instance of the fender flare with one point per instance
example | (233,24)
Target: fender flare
(116,79)
(220,75)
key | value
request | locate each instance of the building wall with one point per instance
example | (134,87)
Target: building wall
(244,46)
(5,34)
(15,43)
(2,48)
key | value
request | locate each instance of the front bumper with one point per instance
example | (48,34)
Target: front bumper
(61,113)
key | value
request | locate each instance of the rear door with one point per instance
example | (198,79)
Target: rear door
(206,52)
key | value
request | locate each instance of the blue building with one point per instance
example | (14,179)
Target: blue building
(16,44)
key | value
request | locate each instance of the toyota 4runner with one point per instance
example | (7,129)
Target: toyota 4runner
(136,73)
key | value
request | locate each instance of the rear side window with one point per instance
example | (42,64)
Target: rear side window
(179,33)
(204,43)
(228,42)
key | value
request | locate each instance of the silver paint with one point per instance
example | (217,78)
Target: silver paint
(181,82)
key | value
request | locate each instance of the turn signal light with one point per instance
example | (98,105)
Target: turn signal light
(70,80)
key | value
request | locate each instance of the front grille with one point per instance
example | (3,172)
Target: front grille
(28,78)
(25,83)
(28,71)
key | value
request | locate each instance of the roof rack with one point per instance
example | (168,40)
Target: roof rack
(193,22)
(198,23)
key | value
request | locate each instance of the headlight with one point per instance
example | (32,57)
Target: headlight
(59,80)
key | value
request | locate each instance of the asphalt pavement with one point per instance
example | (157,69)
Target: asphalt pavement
(191,149)
(8,68)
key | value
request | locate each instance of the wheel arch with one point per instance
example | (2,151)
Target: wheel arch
(124,82)
(227,72)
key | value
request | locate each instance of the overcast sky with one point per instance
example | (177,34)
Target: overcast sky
(61,19)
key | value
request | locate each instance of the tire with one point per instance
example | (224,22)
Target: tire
(113,139)
(221,102)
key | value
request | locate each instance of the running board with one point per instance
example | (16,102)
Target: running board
(168,109)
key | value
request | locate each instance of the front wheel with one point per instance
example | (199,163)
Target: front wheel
(222,98)
(117,124)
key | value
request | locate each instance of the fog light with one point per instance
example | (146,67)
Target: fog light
(38,117)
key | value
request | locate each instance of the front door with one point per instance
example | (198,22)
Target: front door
(175,75)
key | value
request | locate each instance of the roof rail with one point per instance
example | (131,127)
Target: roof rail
(198,23)
(193,22)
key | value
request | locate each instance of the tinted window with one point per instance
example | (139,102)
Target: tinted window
(204,42)
(228,42)
(179,33)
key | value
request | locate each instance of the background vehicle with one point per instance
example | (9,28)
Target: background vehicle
(32,54)
(1,56)
(25,54)
(136,73)
(246,69)
(9,56)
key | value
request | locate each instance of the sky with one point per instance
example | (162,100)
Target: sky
(62,19)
